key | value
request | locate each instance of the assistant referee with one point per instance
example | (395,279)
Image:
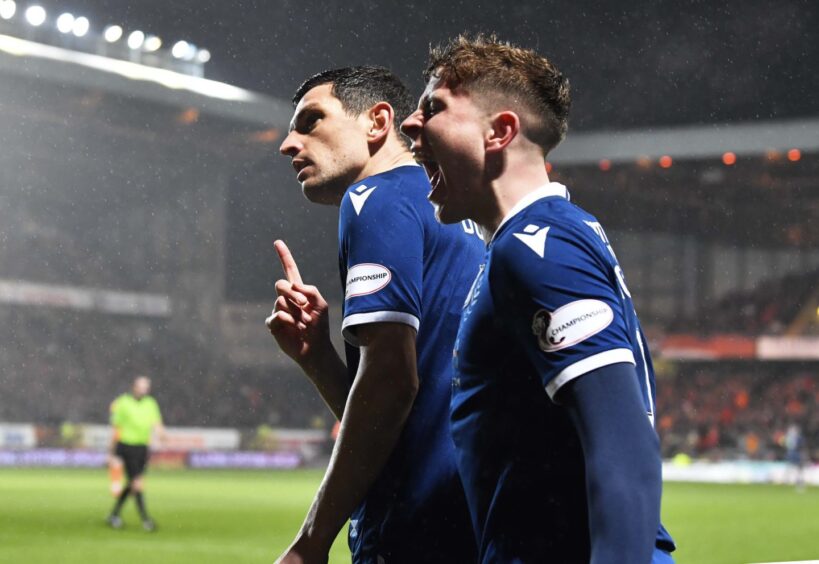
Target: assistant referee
(135,417)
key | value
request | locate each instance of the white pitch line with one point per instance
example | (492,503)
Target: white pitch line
(791,562)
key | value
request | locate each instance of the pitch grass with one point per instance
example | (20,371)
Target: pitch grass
(56,517)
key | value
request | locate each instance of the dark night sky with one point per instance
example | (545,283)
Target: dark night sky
(633,64)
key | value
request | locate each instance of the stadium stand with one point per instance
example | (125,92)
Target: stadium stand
(780,306)
(724,411)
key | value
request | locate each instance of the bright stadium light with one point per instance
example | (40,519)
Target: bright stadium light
(112,33)
(65,23)
(35,15)
(152,43)
(203,56)
(7,9)
(180,49)
(81,26)
(136,39)
(184,50)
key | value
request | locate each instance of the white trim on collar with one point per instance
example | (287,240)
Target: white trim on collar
(547,191)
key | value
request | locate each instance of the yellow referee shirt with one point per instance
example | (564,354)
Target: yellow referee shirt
(135,418)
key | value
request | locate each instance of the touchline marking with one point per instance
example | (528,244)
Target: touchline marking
(790,562)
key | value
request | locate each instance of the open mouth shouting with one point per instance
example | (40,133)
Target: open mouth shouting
(436,179)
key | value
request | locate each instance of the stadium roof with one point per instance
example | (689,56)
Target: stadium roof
(691,142)
(65,66)
(19,56)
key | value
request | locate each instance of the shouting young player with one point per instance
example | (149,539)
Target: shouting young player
(553,392)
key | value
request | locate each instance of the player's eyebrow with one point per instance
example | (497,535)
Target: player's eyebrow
(310,106)
(427,100)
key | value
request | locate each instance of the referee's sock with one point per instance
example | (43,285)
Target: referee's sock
(140,501)
(121,500)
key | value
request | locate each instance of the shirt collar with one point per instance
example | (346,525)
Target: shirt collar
(546,191)
(399,165)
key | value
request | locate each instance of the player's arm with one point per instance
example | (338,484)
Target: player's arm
(301,327)
(157,426)
(379,402)
(622,460)
(161,433)
(114,418)
(568,315)
(112,448)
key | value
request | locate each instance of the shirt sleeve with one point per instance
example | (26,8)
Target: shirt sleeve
(116,413)
(382,247)
(157,413)
(563,307)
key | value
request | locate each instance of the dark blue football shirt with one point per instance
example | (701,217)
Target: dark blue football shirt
(549,304)
(398,264)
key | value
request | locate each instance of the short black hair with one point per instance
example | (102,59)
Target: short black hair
(360,88)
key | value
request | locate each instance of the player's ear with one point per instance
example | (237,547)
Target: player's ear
(503,128)
(380,118)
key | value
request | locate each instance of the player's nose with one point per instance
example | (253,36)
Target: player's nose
(291,145)
(411,127)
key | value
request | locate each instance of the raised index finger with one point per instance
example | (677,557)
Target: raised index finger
(291,270)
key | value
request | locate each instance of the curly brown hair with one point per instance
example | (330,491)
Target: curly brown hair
(507,75)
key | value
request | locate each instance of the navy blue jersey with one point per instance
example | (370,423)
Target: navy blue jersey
(550,304)
(398,264)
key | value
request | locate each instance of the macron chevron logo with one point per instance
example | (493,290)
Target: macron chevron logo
(534,237)
(359,195)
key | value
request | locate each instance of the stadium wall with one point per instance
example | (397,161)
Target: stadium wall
(88,445)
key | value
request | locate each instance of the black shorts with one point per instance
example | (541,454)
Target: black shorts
(134,457)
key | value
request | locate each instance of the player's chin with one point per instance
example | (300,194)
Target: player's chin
(447,214)
(314,190)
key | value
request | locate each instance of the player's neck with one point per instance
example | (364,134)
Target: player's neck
(516,182)
(391,155)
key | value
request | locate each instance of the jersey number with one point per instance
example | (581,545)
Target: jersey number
(470,228)
(621,280)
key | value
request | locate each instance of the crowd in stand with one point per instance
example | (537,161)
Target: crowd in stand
(737,410)
(768,309)
(67,366)
(60,365)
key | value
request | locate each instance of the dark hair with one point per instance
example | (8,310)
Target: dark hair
(360,88)
(514,75)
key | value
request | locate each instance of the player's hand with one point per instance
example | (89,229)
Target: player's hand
(292,557)
(299,553)
(300,319)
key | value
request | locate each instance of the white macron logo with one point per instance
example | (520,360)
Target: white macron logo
(359,196)
(534,237)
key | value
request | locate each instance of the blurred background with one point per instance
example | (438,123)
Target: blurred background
(141,191)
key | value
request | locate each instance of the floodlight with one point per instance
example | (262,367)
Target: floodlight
(136,39)
(35,15)
(152,43)
(65,23)
(7,9)
(81,26)
(180,49)
(112,33)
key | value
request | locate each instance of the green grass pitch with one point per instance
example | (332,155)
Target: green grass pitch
(56,517)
